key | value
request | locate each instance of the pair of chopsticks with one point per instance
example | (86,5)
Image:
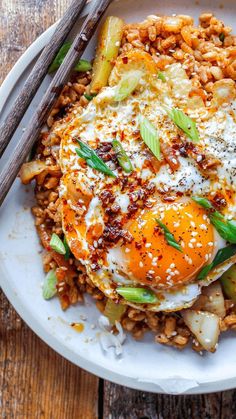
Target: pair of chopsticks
(25,143)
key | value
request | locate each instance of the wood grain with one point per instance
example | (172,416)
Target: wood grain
(38,73)
(35,382)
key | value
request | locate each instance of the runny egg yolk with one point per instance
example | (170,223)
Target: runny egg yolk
(149,257)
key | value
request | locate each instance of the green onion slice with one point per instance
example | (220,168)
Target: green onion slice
(222,37)
(92,159)
(169,236)
(161,76)
(67,254)
(150,136)
(221,256)
(127,85)
(57,244)
(81,66)
(226,228)
(185,123)
(90,97)
(137,295)
(114,311)
(49,286)
(122,157)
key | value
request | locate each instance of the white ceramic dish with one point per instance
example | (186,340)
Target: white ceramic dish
(143,365)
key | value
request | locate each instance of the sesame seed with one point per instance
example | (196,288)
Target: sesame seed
(199,244)
(194,234)
(190,245)
(192,223)
(141,264)
(193,240)
(127,250)
(210,244)
(147,245)
(150,255)
(203,227)
(172,265)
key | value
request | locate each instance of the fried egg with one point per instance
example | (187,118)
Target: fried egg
(111,222)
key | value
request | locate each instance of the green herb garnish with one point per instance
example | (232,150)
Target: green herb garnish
(137,295)
(92,159)
(222,37)
(49,286)
(161,76)
(169,236)
(226,228)
(122,157)
(185,123)
(67,254)
(221,256)
(57,244)
(90,97)
(81,66)
(150,136)
(127,85)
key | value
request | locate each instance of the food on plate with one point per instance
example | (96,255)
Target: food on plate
(135,181)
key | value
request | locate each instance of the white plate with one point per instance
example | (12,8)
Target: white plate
(144,365)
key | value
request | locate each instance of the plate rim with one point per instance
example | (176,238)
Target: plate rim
(60,347)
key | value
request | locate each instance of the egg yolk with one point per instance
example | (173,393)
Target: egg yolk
(149,257)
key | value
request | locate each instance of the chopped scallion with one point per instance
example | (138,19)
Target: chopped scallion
(185,123)
(137,295)
(49,286)
(57,244)
(150,136)
(123,159)
(169,236)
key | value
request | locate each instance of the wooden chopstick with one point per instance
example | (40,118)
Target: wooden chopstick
(23,147)
(38,73)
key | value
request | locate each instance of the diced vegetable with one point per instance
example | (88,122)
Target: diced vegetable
(211,299)
(57,244)
(161,76)
(89,97)
(60,57)
(185,123)
(221,256)
(127,85)
(107,51)
(122,157)
(92,159)
(49,286)
(137,295)
(67,254)
(178,80)
(114,311)
(81,66)
(169,236)
(205,326)
(224,91)
(150,136)
(228,282)
(31,169)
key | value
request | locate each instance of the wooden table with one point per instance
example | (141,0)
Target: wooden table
(35,382)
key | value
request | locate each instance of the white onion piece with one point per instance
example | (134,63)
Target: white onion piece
(205,326)
(211,300)
(31,169)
